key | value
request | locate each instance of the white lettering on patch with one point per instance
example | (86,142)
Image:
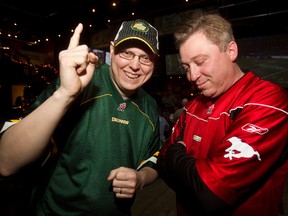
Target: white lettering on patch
(121,121)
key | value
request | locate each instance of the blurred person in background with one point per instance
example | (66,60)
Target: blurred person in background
(178,112)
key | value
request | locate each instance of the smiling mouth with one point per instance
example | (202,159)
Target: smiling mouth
(132,76)
(200,85)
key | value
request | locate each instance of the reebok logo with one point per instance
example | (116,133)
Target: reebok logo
(251,128)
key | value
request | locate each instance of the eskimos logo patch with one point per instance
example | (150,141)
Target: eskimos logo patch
(139,26)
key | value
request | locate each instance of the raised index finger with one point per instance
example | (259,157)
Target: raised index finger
(74,40)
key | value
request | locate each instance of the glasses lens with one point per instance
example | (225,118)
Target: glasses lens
(144,59)
(126,55)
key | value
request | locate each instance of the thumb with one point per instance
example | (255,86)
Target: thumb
(111,175)
(92,60)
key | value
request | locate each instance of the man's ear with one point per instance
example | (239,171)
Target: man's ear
(112,48)
(232,50)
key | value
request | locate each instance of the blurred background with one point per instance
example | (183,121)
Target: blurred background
(32,34)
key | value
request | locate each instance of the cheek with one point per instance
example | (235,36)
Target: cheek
(149,75)
(121,63)
(148,71)
(214,67)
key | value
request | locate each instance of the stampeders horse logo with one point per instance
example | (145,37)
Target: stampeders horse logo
(240,149)
(121,107)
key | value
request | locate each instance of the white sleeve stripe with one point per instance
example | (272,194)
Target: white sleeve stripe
(7,125)
(153,159)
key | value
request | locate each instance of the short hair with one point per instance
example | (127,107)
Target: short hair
(215,27)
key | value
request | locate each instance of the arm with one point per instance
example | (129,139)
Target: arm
(127,181)
(178,169)
(209,174)
(26,141)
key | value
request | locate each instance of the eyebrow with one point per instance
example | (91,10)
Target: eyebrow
(196,57)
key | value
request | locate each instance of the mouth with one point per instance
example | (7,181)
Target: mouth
(200,85)
(132,76)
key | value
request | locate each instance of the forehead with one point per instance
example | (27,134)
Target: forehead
(197,44)
(133,43)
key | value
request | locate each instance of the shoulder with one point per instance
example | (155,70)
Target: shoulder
(147,104)
(252,89)
(146,98)
(267,91)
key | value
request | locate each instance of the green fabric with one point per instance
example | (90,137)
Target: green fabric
(94,138)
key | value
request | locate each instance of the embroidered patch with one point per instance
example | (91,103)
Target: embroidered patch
(140,26)
(251,128)
(210,109)
(240,149)
(197,138)
(121,107)
(121,121)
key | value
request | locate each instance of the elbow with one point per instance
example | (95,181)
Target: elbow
(5,171)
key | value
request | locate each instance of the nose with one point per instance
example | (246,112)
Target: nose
(135,62)
(193,73)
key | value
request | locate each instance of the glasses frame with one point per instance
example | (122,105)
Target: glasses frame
(129,55)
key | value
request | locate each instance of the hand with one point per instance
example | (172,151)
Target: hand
(76,66)
(125,182)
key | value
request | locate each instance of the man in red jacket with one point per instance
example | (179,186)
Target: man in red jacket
(227,154)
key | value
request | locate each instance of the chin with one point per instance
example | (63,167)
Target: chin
(207,93)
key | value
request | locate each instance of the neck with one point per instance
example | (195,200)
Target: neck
(238,73)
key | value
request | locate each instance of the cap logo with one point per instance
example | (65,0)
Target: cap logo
(139,27)
(138,30)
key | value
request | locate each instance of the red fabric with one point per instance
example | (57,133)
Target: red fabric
(233,155)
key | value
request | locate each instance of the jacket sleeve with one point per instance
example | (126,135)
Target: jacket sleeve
(179,172)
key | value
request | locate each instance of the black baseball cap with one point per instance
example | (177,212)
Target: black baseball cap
(138,30)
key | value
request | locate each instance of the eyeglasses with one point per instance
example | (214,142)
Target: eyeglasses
(143,59)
